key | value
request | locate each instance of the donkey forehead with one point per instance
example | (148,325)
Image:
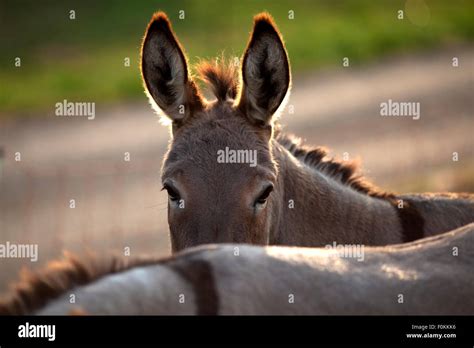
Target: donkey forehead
(201,184)
(207,135)
(211,151)
(209,166)
(211,170)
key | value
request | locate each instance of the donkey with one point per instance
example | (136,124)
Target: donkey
(430,276)
(291,194)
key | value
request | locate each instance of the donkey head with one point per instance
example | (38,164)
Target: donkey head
(219,170)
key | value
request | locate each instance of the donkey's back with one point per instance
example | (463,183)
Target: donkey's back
(430,276)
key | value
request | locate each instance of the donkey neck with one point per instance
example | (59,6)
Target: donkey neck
(315,209)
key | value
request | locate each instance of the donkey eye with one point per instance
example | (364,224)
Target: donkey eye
(262,199)
(172,192)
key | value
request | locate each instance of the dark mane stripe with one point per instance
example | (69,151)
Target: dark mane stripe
(411,220)
(346,172)
(200,275)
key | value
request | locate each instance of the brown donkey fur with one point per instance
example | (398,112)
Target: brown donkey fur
(292,194)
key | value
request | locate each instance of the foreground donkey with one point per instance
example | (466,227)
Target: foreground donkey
(430,276)
(285,193)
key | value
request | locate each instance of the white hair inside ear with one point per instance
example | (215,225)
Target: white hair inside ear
(163,119)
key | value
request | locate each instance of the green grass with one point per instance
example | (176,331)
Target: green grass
(82,59)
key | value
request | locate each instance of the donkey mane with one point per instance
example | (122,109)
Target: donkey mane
(35,288)
(346,172)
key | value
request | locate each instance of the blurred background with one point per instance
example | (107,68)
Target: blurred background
(423,54)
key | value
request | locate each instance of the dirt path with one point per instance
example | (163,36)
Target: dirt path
(118,204)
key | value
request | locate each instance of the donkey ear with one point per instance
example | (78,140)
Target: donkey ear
(165,72)
(265,72)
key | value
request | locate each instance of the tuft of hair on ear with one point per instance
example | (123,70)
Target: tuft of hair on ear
(221,77)
(264,23)
(160,19)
